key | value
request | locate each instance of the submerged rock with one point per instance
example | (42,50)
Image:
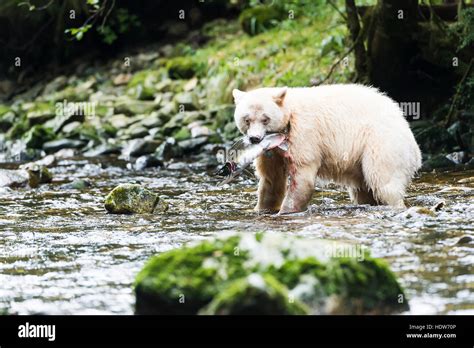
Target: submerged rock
(133,198)
(267,274)
(29,175)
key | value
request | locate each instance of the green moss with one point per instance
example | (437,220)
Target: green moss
(182,134)
(176,282)
(37,136)
(183,67)
(215,274)
(255,295)
(132,198)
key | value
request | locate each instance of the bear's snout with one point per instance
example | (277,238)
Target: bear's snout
(255,140)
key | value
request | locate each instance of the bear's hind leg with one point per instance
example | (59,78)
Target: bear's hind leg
(385,179)
(273,175)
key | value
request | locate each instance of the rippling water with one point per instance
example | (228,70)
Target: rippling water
(61,253)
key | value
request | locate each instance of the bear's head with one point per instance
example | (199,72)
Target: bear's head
(260,111)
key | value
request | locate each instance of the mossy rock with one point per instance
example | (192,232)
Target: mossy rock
(134,199)
(258,19)
(40,112)
(182,67)
(255,295)
(182,134)
(206,277)
(37,136)
(7,118)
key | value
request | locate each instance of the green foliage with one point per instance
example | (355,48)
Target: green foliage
(259,19)
(183,67)
(462,30)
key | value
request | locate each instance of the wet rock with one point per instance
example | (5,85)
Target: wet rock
(122,79)
(40,112)
(103,149)
(135,107)
(56,145)
(147,161)
(55,85)
(248,273)
(187,100)
(178,166)
(139,147)
(37,136)
(192,144)
(417,213)
(47,161)
(32,175)
(120,121)
(136,131)
(173,125)
(168,149)
(7,118)
(465,240)
(134,199)
(78,184)
(153,120)
(458,157)
(467,180)
(13,178)
(438,162)
(66,153)
(199,131)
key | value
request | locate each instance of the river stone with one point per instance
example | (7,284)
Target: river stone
(220,275)
(37,136)
(56,145)
(103,149)
(78,184)
(32,175)
(190,145)
(146,161)
(139,147)
(188,100)
(168,149)
(133,198)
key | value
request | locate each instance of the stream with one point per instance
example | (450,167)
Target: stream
(61,253)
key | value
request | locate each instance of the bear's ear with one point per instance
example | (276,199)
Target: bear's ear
(279,97)
(238,95)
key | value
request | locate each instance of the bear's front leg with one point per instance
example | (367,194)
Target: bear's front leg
(300,189)
(273,174)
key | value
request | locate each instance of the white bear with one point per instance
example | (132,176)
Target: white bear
(350,134)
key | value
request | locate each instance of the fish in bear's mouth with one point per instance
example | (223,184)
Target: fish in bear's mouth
(247,153)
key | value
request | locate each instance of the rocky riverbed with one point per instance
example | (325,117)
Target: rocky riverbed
(62,252)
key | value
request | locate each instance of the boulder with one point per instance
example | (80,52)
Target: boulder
(267,273)
(32,175)
(56,145)
(134,199)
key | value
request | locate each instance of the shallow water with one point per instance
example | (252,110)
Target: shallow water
(61,253)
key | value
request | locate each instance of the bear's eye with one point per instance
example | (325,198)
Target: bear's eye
(265,120)
(247,122)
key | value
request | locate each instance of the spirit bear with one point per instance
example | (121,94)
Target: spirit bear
(351,134)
